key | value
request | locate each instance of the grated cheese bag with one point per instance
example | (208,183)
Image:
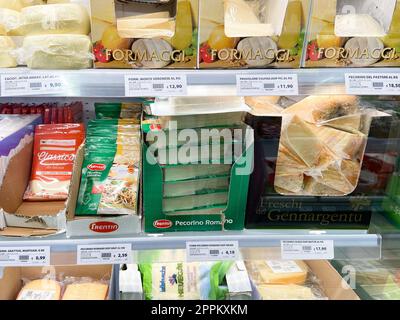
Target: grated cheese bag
(55,147)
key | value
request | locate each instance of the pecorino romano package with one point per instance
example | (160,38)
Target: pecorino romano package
(145,34)
(252,33)
(345,33)
(320,162)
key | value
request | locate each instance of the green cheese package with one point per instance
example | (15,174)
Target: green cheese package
(111,169)
(195,281)
(118,110)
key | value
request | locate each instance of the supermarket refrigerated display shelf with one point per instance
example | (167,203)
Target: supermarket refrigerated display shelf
(254,244)
(111,82)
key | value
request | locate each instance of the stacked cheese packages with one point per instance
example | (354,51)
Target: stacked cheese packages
(284,280)
(112,162)
(43,35)
(188,159)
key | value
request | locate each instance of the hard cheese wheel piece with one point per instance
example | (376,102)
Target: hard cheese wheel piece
(43,289)
(364,51)
(68,18)
(282,272)
(86,291)
(258,51)
(67,51)
(6,47)
(285,292)
(152,53)
(315,109)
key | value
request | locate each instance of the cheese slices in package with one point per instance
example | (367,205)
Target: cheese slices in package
(42,289)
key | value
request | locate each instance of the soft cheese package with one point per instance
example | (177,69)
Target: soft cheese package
(353,34)
(196,281)
(316,160)
(145,34)
(252,33)
(284,280)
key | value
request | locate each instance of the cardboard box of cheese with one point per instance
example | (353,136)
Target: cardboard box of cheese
(145,34)
(318,162)
(57,283)
(252,34)
(45,34)
(353,34)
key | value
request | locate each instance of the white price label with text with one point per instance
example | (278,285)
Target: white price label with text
(372,84)
(212,250)
(104,254)
(32,84)
(24,256)
(155,85)
(307,249)
(262,85)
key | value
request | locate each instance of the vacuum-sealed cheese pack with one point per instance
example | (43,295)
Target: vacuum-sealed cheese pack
(55,148)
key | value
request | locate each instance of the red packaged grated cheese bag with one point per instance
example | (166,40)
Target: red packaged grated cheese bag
(55,147)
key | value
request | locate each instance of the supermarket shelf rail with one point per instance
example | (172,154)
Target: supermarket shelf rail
(103,83)
(255,244)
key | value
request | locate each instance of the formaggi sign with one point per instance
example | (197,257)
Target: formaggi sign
(130,55)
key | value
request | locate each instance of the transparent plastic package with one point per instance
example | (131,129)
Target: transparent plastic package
(62,51)
(47,288)
(85,288)
(284,280)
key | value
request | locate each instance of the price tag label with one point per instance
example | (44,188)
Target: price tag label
(372,84)
(24,256)
(262,85)
(104,254)
(212,250)
(307,249)
(155,85)
(32,84)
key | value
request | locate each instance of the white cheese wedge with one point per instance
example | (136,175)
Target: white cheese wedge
(69,18)
(285,292)
(10,21)
(358,25)
(11,4)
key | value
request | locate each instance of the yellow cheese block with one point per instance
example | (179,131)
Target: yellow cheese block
(68,18)
(86,291)
(281,272)
(291,26)
(62,51)
(43,289)
(6,58)
(285,292)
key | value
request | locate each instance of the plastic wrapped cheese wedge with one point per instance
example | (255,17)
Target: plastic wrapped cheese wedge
(7,60)
(10,22)
(254,18)
(43,289)
(86,291)
(158,24)
(68,18)
(286,292)
(66,51)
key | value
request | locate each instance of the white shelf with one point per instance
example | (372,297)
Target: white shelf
(101,83)
(254,244)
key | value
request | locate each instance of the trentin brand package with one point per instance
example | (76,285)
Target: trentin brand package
(320,162)
(45,35)
(145,34)
(347,33)
(252,33)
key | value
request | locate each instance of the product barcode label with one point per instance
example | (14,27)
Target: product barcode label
(104,254)
(24,256)
(37,295)
(212,250)
(307,249)
(261,85)
(156,85)
(372,83)
(32,84)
